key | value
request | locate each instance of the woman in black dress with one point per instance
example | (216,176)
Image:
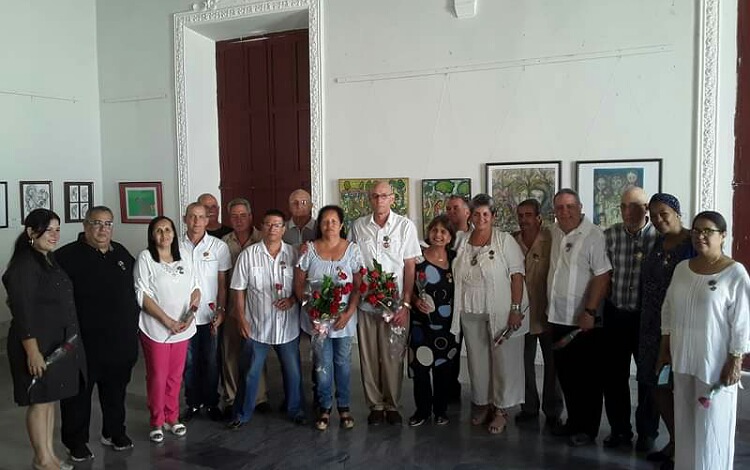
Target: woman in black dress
(432,347)
(40,297)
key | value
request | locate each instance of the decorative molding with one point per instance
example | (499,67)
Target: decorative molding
(210,12)
(707,114)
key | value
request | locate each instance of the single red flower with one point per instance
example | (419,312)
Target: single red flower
(422,275)
(390,285)
(380,295)
(374,274)
(362,288)
(363,271)
(316,295)
(348,288)
(334,307)
(372,299)
(279,286)
(212,306)
(342,275)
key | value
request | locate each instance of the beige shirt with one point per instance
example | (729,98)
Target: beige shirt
(537,268)
(234,244)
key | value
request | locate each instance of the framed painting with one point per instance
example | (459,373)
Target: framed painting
(3,204)
(436,192)
(140,202)
(79,196)
(355,199)
(35,195)
(601,183)
(512,183)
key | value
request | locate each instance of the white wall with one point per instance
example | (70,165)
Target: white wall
(49,49)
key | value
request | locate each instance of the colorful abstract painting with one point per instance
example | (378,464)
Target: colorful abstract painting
(436,192)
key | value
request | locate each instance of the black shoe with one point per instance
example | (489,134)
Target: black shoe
(263,408)
(376,417)
(214,413)
(441,420)
(644,444)
(525,417)
(118,443)
(189,413)
(417,420)
(300,419)
(81,453)
(616,440)
(579,440)
(235,424)
(394,417)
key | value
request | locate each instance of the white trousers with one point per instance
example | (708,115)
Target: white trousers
(704,438)
(496,373)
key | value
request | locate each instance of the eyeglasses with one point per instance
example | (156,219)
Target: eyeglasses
(274,225)
(100,224)
(705,232)
(380,196)
(300,203)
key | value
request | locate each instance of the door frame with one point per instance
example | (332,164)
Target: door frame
(209,12)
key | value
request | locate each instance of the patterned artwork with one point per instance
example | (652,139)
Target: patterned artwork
(435,194)
(35,195)
(601,184)
(354,196)
(512,183)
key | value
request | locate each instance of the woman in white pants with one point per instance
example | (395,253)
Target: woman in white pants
(705,332)
(490,296)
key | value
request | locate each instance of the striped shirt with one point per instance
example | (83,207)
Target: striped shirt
(258,273)
(627,251)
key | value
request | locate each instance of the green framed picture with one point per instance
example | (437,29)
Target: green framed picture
(140,202)
(435,193)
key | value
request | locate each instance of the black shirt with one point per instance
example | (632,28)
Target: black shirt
(105,299)
(220,232)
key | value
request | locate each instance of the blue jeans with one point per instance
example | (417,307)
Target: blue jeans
(251,367)
(202,369)
(332,361)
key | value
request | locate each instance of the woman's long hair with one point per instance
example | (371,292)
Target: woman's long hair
(38,221)
(174,247)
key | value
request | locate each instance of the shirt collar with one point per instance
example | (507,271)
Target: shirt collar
(82,239)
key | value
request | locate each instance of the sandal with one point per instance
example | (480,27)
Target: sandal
(346,418)
(178,429)
(156,435)
(322,422)
(497,425)
(479,414)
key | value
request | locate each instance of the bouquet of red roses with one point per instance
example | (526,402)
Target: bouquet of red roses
(380,291)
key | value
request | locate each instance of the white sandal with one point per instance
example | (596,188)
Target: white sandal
(178,429)
(156,435)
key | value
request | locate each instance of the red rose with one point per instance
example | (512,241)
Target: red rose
(390,285)
(422,275)
(314,314)
(334,307)
(373,285)
(363,271)
(348,288)
(362,288)
(380,295)
(372,299)
(374,274)
(342,275)
(316,295)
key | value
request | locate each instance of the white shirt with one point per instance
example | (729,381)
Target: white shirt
(391,244)
(575,259)
(316,268)
(258,274)
(209,257)
(170,286)
(706,325)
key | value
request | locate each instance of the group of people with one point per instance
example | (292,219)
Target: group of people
(209,304)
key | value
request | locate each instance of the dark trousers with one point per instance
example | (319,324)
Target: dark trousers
(621,329)
(454,386)
(112,381)
(552,400)
(579,371)
(431,394)
(202,369)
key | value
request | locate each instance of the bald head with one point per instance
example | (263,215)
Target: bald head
(300,204)
(634,207)
(381,198)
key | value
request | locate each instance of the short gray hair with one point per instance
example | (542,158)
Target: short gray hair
(240,201)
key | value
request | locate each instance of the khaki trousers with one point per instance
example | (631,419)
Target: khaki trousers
(230,354)
(382,375)
(496,373)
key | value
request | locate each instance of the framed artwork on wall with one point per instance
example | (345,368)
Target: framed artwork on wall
(512,183)
(354,196)
(79,196)
(140,202)
(35,195)
(3,204)
(435,193)
(600,183)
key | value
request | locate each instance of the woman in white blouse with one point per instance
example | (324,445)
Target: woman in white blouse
(168,295)
(705,332)
(490,297)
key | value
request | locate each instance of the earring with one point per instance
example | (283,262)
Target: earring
(31,241)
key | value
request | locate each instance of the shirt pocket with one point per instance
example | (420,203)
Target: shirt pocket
(394,252)
(259,279)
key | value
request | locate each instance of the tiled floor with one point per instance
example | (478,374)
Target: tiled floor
(271,442)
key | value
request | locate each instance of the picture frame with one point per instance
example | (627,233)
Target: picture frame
(435,193)
(3,204)
(79,196)
(140,201)
(354,196)
(512,183)
(600,183)
(34,195)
